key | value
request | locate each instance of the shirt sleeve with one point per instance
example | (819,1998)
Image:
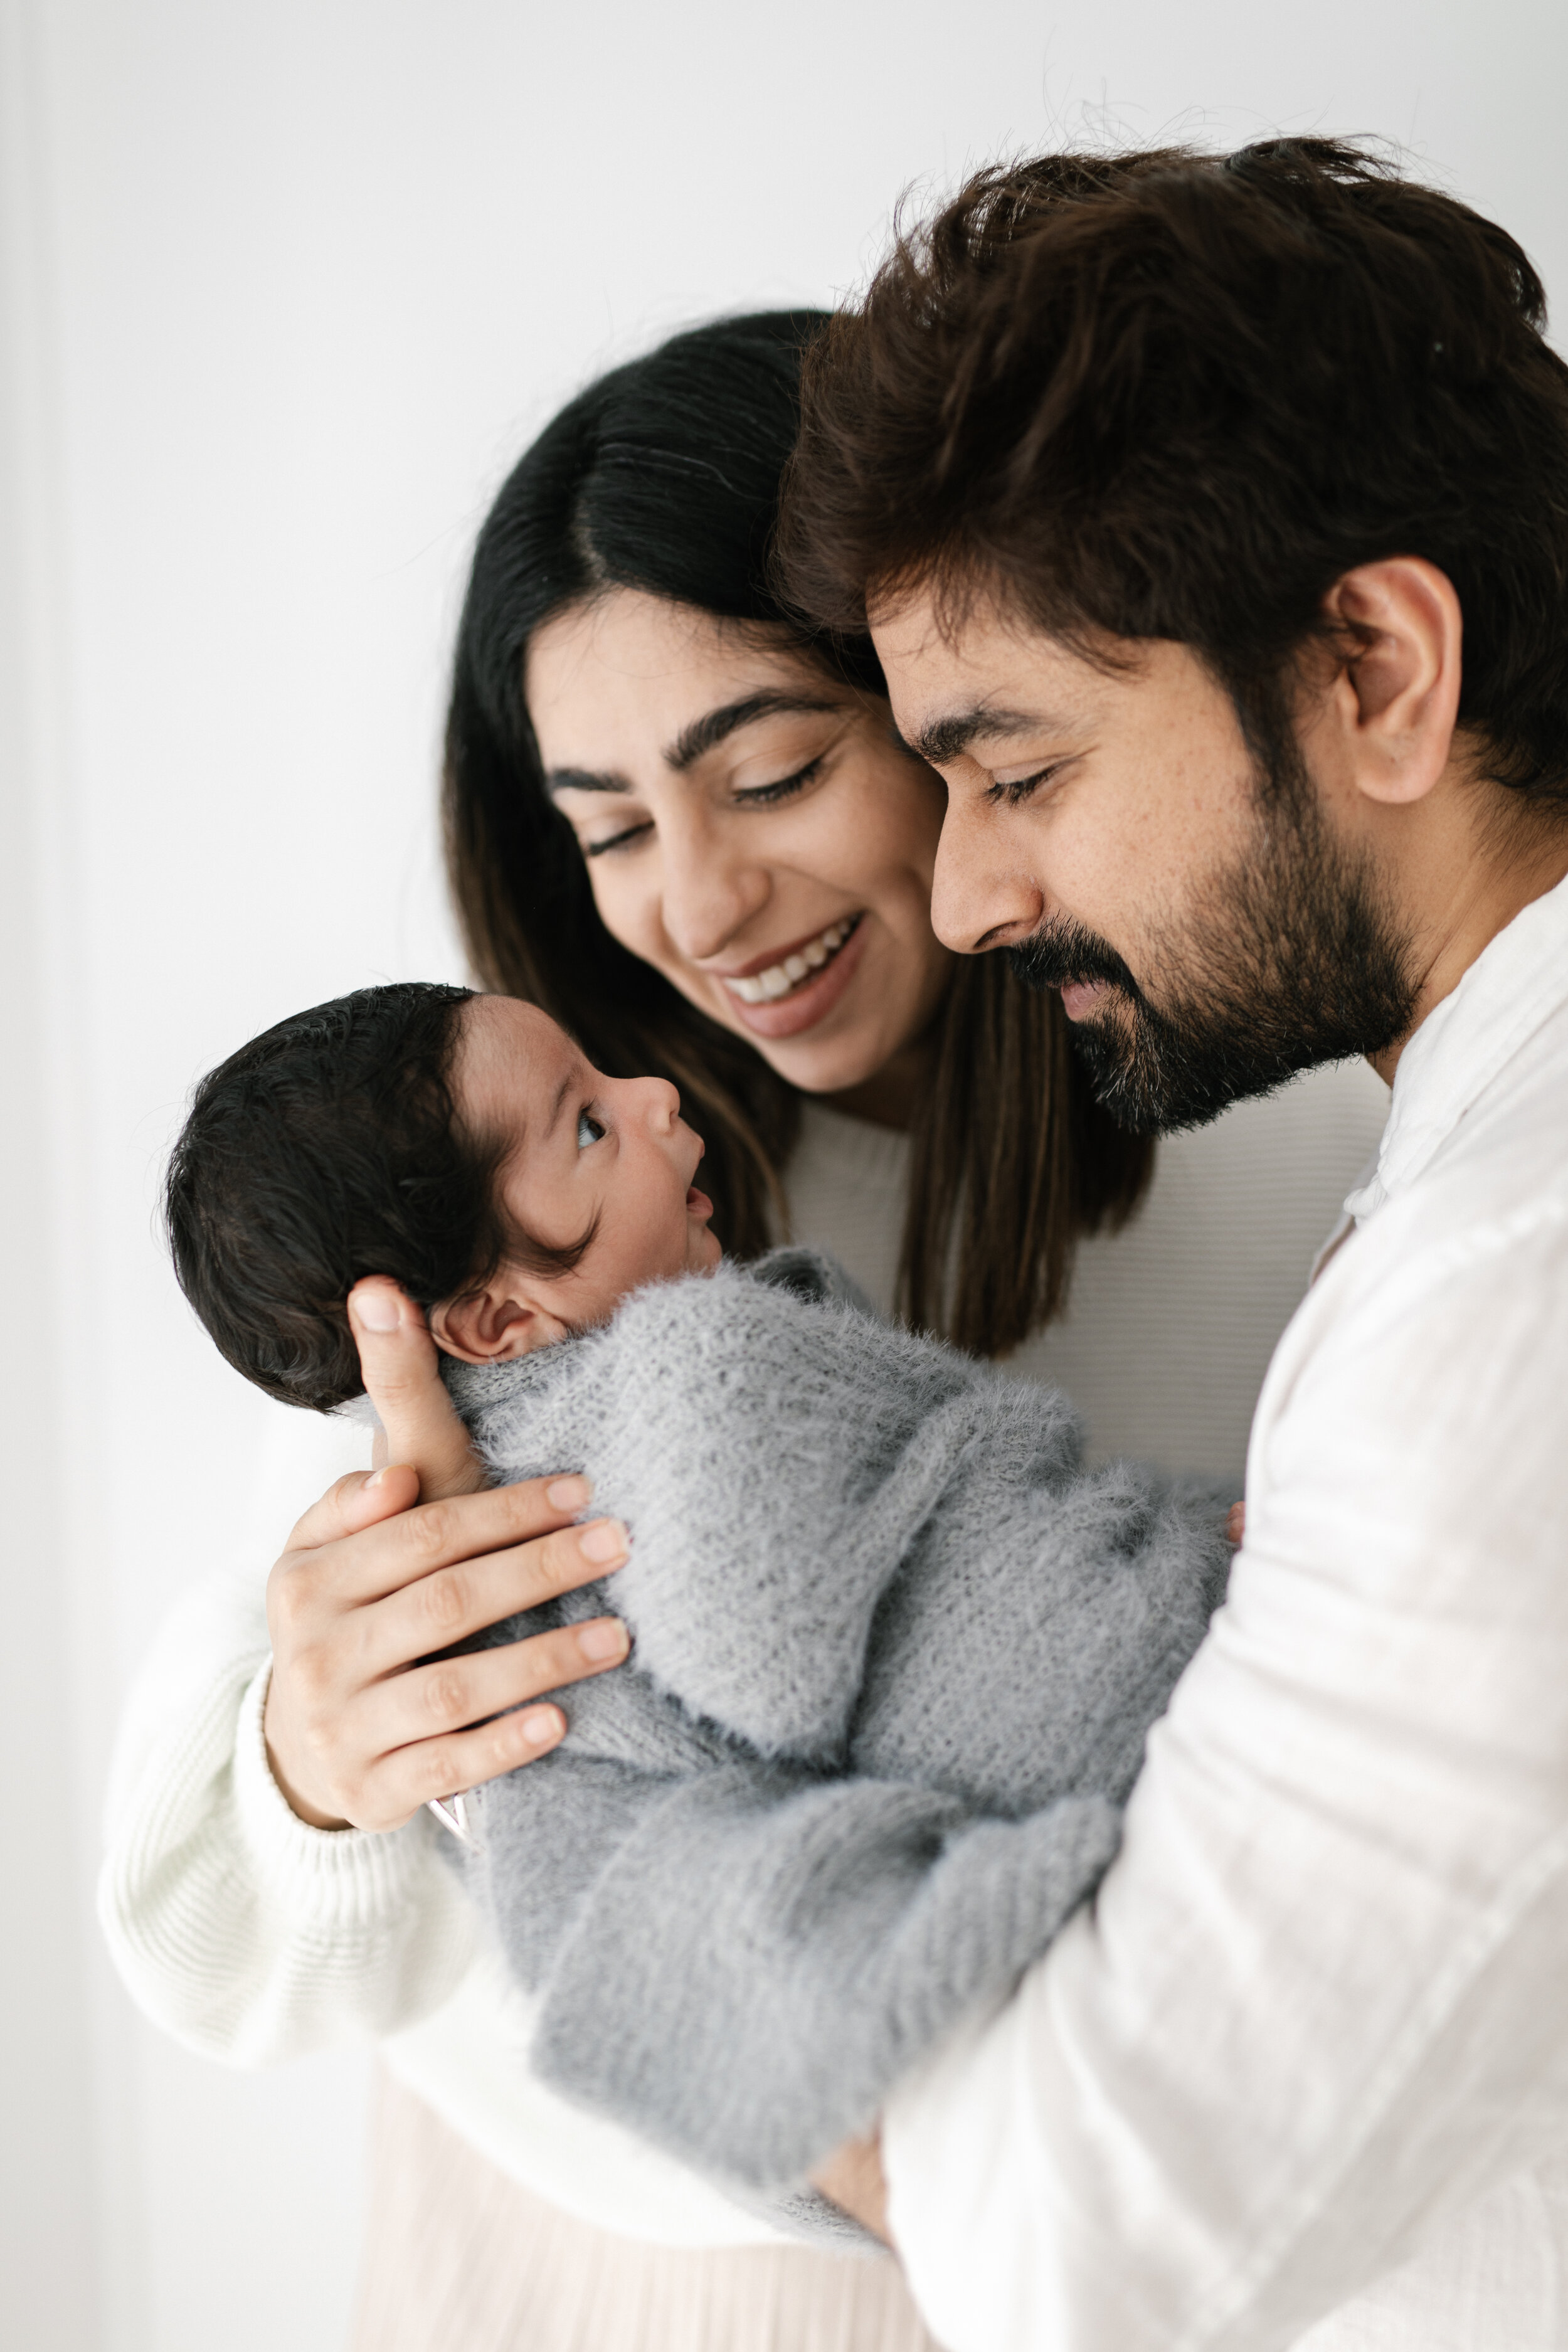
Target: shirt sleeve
(1316,2010)
(239,1929)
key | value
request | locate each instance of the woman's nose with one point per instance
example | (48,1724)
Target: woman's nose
(708,897)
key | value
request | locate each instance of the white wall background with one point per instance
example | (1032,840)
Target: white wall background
(284,289)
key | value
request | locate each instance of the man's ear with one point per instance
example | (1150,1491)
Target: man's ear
(495,1323)
(1396,700)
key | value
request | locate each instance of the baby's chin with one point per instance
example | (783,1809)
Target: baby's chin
(703,1249)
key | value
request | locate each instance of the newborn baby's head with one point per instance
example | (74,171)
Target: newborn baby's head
(460,1144)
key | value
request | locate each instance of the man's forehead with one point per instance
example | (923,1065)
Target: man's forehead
(979,673)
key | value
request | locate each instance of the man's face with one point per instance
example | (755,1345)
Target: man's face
(1211,928)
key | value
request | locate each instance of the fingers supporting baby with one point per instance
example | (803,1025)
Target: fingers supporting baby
(401,1369)
(352,1616)
(457,1710)
(460,1595)
(357,1501)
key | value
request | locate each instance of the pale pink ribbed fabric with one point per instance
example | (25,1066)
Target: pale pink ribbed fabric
(459,2257)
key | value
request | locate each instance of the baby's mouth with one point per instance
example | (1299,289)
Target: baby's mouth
(796,969)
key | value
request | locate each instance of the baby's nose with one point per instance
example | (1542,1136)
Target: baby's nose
(660,1104)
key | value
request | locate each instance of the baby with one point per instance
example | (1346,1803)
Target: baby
(460,1143)
(897,1651)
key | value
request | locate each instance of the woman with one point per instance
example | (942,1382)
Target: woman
(694,838)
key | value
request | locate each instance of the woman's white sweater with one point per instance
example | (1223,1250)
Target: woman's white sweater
(251,1936)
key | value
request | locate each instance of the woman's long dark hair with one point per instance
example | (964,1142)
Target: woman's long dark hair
(664,476)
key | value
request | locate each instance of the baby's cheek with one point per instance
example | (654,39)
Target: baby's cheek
(705,1251)
(663,1247)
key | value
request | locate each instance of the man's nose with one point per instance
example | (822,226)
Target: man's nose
(981,895)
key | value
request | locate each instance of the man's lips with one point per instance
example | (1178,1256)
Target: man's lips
(1080,997)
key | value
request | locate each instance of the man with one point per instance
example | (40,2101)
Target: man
(1211,521)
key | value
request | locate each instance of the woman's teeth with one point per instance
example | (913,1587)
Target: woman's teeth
(780,977)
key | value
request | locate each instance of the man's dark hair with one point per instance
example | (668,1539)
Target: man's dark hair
(1169,394)
(326,1150)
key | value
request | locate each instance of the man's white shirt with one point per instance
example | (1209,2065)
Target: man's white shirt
(1307,2054)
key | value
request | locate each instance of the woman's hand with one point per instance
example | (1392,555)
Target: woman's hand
(406,1559)
(853,2179)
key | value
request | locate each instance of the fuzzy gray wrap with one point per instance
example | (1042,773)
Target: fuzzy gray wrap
(896,1654)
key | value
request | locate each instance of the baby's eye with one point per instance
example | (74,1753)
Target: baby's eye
(589,1130)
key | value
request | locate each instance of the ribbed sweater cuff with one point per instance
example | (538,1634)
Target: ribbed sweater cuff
(334,1878)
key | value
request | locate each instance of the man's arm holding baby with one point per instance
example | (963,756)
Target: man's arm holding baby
(852,2178)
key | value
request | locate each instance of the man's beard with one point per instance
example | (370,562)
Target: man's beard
(1290,959)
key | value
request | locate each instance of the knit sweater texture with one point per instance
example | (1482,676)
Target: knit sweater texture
(895,1655)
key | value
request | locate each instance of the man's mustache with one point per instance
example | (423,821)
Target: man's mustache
(1061,952)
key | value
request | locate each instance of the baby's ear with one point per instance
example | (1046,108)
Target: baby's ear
(494,1324)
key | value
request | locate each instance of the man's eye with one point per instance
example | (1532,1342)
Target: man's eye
(589,1130)
(1018,789)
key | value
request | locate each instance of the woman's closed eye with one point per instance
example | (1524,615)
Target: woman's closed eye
(589,1130)
(767,795)
(617,840)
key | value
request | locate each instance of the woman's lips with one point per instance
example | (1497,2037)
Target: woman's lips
(808,1002)
(779,970)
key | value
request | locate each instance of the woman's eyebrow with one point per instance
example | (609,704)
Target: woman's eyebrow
(705,733)
(583,779)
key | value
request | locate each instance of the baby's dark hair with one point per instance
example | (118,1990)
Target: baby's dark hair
(327,1149)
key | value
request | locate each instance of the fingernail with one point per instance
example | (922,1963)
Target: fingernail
(542,1724)
(375,1478)
(567,1493)
(604,1542)
(378,1310)
(607,1639)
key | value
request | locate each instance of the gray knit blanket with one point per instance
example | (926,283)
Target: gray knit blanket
(896,1652)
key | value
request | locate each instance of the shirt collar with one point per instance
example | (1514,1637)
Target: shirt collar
(1514,985)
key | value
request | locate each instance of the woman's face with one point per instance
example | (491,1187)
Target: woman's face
(753,829)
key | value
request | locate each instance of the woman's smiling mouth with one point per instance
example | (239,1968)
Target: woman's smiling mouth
(800,987)
(781,979)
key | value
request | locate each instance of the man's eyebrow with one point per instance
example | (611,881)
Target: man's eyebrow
(706,733)
(941,740)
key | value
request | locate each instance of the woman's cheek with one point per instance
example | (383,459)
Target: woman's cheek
(622,911)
